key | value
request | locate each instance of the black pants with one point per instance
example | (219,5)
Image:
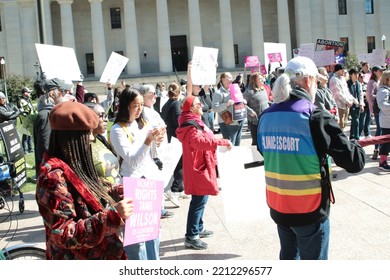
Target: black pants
(27,143)
(177,184)
(385,147)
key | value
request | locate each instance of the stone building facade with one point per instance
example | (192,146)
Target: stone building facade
(158,36)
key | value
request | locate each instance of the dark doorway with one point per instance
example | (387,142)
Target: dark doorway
(90,63)
(179,52)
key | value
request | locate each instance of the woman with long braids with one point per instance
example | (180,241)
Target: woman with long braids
(83,217)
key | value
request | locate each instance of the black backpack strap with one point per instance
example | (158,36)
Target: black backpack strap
(193,123)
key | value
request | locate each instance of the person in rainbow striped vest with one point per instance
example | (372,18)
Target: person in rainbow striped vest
(297,140)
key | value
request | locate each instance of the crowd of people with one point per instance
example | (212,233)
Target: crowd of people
(80,164)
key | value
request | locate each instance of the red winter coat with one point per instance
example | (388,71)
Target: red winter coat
(199,156)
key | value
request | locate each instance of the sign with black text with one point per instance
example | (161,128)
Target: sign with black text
(239,111)
(14,151)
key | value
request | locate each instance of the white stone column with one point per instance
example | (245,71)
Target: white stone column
(195,25)
(331,15)
(132,49)
(303,22)
(357,41)
(47,25)
(227,48)
(257,33)
(164,40)
(67,29)
(284,26)
(12,30)
(29,34)
(382,11)
(98,37)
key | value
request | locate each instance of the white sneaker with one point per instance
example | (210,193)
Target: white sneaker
(368,136)
(173,197)
(182,195)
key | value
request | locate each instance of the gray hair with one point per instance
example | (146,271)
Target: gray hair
(144,89)
(283,87)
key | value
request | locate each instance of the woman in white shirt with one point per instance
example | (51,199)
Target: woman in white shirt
(131,136)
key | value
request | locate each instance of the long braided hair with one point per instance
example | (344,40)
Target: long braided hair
(74,149)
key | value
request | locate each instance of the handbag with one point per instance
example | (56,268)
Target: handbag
(227,117)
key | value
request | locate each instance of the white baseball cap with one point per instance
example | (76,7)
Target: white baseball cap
(302,66)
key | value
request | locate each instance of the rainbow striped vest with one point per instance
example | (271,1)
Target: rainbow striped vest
(291,164)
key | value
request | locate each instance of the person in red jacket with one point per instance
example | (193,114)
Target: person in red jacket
(199,168)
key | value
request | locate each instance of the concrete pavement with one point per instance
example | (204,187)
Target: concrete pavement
(360,223)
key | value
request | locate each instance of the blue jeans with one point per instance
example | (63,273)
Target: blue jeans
(208,119)
(355,117)
(211,120)
(148,250)
(364,122)
(232,132)
(309,242)
(195,215)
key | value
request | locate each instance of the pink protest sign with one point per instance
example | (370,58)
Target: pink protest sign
(251,61)
(274,57)
(235,93)
(263,70)
(144,224)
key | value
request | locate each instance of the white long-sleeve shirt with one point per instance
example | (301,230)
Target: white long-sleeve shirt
(137,159)
(341,94)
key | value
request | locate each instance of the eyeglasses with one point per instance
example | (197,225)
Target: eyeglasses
(198,104)
(103,116)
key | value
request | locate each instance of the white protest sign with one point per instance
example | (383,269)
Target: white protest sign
(365,57)
(378,57)
(243,190)
(144,223)
(324,58)
(307,50)
(204,66)
(58,62)
(275,48)
(113,69)
(169,154)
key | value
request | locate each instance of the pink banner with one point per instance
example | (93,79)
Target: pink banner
(263,70)
(235,93)
(144,224)
(251,61)
(274,57)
